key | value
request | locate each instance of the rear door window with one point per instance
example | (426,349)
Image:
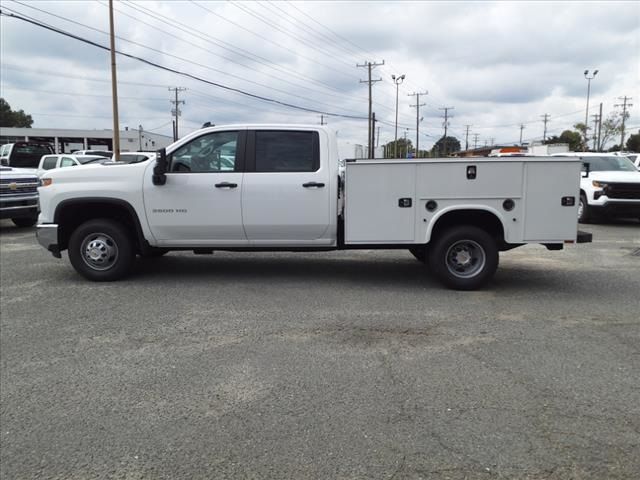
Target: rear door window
(286,151)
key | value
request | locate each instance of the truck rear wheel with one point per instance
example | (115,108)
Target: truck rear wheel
(101,250)
(464,258)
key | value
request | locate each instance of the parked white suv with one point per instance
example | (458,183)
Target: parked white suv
(609,187)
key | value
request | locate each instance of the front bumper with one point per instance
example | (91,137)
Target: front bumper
(18,207)
(47,235)
(617,209)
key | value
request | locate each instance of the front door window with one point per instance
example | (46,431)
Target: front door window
(211,153)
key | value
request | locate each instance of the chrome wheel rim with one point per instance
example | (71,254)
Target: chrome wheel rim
(99,251)
(465,259)
(580,209)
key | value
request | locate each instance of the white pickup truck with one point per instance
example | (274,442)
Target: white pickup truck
(283,187)
(609,187)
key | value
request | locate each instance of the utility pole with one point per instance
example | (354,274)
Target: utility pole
(139,138)
(322,122)
(596,121)
(417,106)
(624,106)
(406,147)
(370,66)
(446,126)
(176,111)
(475,140)
(522,127)
(378,138)
(600,129)
(114,87)
(466,137)
(373,134)
(545,119)
(492,140)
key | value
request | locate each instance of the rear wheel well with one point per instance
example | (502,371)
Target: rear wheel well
(482,219)
(70,216)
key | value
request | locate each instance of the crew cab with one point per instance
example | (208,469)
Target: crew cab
(283,187)
(609,187)
(19,195)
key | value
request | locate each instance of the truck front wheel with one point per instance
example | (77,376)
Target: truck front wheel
(464,258)
(101,250)
(584,212)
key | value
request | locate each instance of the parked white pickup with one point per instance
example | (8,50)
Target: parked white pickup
(282,187)
(609,187)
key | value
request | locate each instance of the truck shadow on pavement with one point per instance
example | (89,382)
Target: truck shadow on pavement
(391,273)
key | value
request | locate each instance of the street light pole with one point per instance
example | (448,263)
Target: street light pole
(397,80)
(586,113)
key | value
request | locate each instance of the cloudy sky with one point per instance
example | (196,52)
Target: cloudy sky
(497,64)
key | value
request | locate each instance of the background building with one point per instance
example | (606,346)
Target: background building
(69,140)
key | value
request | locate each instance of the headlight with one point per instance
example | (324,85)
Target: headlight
(598,184)
(45,182)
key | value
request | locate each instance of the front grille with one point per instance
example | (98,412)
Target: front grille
(17,186)
(628,191)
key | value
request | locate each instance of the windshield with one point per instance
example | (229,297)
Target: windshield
(87,159)
(609,164)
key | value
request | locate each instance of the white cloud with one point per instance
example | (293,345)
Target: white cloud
(499,64)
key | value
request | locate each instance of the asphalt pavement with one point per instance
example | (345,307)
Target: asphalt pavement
(343,365)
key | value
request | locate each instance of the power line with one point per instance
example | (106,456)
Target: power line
(206,66)
(172,70)
(229,47)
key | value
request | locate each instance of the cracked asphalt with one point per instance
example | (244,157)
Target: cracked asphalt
(345,365)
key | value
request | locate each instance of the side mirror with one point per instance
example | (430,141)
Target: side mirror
(160,168)
(585,172)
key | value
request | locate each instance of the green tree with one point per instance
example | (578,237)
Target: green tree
(445,146)
(403,145)
(11,118)
(611,128)
(571,137)
(633,142)
(583,130)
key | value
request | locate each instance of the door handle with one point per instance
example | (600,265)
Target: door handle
(313,184)
(226,185)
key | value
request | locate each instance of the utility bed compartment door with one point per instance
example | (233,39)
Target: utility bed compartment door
(380,203)
(547,183)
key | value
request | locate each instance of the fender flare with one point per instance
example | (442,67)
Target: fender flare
(458,208)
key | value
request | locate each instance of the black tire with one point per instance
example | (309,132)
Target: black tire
(24,222)
(420,253)
(584,211)
(102,250)
(154,252)
(480,257)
